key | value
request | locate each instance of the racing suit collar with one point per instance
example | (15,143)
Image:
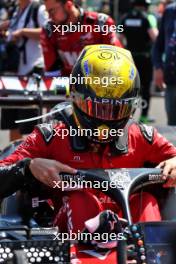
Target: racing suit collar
(120,145)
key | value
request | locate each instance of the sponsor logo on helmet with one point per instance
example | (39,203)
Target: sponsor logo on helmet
(132,73)
(109,101)
(108,47)
(86,68)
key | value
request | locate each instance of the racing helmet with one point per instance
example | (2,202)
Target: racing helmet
(105,93)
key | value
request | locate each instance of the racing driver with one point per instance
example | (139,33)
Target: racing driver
(98,107)
(69,30)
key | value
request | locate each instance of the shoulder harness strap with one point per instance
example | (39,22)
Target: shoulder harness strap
(120,146)
(47,131)
(147,132)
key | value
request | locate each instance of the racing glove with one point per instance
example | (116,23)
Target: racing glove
(105,229)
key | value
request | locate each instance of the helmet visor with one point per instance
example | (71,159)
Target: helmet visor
(106,109)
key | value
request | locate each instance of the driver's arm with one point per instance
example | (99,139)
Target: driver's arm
(14,172)
(160,149)
(163,153)
(13,177)
(31,161)
(169,171)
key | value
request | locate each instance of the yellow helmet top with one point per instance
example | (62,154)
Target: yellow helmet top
(108,70)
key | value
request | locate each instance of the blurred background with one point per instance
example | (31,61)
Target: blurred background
(116,9)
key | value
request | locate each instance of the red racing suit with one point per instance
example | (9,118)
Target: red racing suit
(64,48)
(138,145)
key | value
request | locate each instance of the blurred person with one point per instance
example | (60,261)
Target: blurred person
(24,29)
(11,6)
(7,10)
(3,17)
(162,6)
(61,49)
(105,7)
(3,11)
(164,60)
(24,56)
(140,31)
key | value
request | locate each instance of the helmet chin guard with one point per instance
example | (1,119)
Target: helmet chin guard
(96,130)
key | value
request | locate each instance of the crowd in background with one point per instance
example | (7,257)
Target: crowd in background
(149,33)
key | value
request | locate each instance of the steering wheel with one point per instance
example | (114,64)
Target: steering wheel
(121,183)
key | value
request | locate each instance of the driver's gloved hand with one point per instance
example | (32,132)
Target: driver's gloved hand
(104,229)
